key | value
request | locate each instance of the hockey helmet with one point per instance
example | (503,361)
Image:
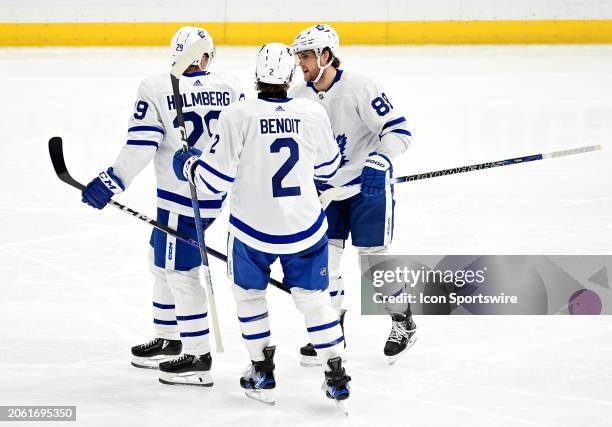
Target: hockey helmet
(317,38)
(184,37)
(275,64)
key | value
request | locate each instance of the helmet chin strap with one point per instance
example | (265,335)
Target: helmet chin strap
(321,68)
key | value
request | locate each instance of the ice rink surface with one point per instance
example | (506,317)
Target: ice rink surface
(76,292)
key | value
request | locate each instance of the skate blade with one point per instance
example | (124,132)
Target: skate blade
(310,361)
(201,379)
(264,396)
(342,406)
(150,362)
(393,359)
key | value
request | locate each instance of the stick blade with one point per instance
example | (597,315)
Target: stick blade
(193,53)
(56,152)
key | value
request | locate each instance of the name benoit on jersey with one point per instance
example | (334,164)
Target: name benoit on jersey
(279,125)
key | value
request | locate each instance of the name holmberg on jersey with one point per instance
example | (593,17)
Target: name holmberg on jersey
(153,134)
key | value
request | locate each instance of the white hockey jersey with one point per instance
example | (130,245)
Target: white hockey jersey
(268,151)
(153,133)
(363,120)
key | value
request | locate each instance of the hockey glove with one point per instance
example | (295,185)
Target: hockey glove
(100,190)
(184,163)
(376,170)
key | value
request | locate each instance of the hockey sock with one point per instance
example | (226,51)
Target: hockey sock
(191,310)
(164,310)
(336,283)
(252,309)
(322,322)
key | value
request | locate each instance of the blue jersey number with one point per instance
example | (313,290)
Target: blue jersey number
(212,115)
(141,110)
(198,125)
(277,180)
(381,104)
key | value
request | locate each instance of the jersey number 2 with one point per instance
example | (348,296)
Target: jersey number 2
(277,180)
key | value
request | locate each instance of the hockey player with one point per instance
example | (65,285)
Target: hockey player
(370,134)
(180,305)
(268,151)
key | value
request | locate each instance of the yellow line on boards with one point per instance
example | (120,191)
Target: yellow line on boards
(257,33)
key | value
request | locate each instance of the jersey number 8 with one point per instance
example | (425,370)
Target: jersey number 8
(381,104)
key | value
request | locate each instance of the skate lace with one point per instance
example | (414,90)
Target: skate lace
(150,343)
(398,332)
(182,357)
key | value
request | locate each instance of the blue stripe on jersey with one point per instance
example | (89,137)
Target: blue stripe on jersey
(329,344)
(325,186)
(275,238)
(186,201)
(263,98)
(163,306)
(323,327)
(253,318)
(146,128)
(256,336)
(393,123)
(197,73)
(164,322)
(327,176)
(327,163)
(215,171)
(402,131)
(210,187)
(139,142)
(192,317)
(353,181)
(194,334)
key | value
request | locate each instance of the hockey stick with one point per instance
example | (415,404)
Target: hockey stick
(56,153)
(329,195)
(193,53)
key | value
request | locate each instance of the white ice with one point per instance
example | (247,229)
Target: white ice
(76,293)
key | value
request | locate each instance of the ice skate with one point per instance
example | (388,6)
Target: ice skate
(149,355)
(258,380)
(187,370)
(309,354)
(401,338)
(336,384)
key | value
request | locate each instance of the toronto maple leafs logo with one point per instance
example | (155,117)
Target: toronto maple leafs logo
(341,140)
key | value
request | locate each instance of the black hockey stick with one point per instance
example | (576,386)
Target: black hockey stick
(329,195)
(56,153)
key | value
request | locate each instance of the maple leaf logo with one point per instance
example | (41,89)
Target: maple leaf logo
(341,140)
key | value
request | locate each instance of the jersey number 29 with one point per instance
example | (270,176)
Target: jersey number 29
(198,123)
